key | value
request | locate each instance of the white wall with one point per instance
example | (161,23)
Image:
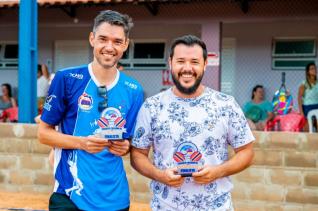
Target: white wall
(253,56)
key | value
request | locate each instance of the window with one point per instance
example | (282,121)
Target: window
(149,51)
(293,53)
(11,51)
(8,56)
(141,55)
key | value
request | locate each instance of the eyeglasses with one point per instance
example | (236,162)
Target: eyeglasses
(102,91)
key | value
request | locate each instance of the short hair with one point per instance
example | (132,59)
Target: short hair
(189,40)
(114,18)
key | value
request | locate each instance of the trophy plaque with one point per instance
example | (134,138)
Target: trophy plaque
(111,125)
(187,157)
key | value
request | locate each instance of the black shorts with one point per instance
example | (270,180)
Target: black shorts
(307,108)
(61,202)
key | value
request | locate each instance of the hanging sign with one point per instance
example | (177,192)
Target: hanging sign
(213,59)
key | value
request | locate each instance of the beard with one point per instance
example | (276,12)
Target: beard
(187,90)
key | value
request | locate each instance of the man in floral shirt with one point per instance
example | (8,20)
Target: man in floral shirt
(190,124)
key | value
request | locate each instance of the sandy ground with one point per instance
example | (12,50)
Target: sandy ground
(23,200)
(31,201)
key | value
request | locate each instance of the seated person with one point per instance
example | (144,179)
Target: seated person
(258,111)
(6,100)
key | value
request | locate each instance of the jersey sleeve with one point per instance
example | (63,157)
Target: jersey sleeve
(54,106)
(132,114)
(143,136)
(239,133)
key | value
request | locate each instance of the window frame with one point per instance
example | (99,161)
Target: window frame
(292,56)
(5,61)
(131,63)
(291,39)
(311,59)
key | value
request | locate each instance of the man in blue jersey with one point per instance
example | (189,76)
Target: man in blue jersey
(89,103)
(190,127)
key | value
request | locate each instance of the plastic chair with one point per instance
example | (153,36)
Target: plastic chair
(12,114)
(290,122)
(313,114)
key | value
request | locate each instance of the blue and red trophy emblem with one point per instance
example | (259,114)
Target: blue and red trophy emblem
(111,124)
(187,157)
(85,102)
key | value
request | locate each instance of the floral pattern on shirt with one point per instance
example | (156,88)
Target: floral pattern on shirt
(211,122)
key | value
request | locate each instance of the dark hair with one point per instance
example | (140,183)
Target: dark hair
(39,69)
(255,88)
(307,71)
(8,86)
(114,18)
(189,40)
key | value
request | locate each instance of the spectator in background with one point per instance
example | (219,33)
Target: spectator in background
(42,85)
(308,91)
(258,111)
(6,100)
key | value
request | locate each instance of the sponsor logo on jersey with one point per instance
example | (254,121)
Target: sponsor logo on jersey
(130,85)
(77,75)
(85,102)
(47,105)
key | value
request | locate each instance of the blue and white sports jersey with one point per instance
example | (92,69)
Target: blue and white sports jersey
(93,181)
(191,129)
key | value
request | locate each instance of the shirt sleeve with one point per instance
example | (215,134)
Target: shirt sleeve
(246,107)
(143,137)
(239,133)
(54,106)
(269,106)
(132,114)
